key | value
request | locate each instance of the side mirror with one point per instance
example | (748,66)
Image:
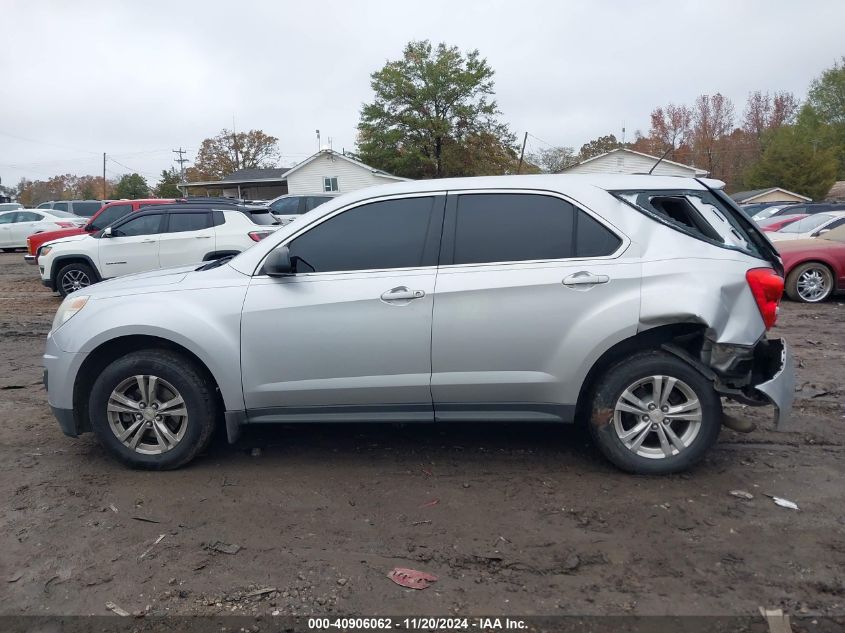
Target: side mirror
(107,232)
(278,263)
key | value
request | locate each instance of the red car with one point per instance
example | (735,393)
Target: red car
(815,268)
(776,223)
(101,219)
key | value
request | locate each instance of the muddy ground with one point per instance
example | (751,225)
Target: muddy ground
(513,519)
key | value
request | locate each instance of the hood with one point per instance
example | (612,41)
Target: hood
(186,278)
(49,236)
(80,235)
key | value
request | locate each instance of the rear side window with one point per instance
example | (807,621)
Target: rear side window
(387,234)
(109,215)
(181,222)
(28,216)
(61,206)
(521,227)
(86,209)
(286,206)
(262,217)
(315,201)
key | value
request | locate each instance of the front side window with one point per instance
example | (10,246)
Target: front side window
(110,215)
(144,225)
(285,206)
(181,222)
(7,218)
(387,234)
(61,206)
(330,184)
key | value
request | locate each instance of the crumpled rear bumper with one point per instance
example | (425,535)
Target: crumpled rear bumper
(778,386)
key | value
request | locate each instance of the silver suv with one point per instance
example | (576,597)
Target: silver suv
(631,304)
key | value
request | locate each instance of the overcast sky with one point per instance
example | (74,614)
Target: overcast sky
(137,79)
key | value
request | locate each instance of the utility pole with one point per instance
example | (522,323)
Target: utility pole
(522,153)
(104,175)
(235,143)
(181,161)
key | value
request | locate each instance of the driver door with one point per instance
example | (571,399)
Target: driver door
(132,247)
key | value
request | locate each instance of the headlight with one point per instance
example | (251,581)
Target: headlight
(44,250)
(69,307)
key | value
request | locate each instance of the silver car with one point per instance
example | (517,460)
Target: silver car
(630,304)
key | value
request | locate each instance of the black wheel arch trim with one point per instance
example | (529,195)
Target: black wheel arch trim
(59,263)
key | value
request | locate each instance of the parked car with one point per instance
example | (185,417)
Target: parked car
(288,207)
(815,268)
(82,208)
(628,303)
(810,208)
(776,223)
(10,206)
(155,237)
(762,210)
(811,226)
(16,226)
(100,220)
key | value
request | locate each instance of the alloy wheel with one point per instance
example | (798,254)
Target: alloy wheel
(74,280)
(147,414)
(813,285)
(657,417)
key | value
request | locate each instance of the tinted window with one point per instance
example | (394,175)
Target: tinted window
(61,206)
(512,227)
(144,225)
(28,216)
(389,234)
(315,201)
(286,206)
(593,239)
(86,209)
(7,218)
(44,205)
(109,215)
(180,222)
(264,218)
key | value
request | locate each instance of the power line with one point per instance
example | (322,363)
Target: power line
(181,162)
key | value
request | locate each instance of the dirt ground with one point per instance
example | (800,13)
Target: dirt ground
(513,519)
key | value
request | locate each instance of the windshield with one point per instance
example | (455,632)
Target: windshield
(10,206)
(807,224)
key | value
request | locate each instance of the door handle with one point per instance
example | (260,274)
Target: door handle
(147,241)
(584,278)
(202,237)
(402,293)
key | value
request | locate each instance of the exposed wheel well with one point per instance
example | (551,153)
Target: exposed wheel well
(692,334)
(98,359)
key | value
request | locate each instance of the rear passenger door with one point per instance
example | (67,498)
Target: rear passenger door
(188,238)
(529,291)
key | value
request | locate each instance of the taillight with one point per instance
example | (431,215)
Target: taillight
(767,287)
(66,225)
(257,236)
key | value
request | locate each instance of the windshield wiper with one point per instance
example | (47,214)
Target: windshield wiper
(216,263)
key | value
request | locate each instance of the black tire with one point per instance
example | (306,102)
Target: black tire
(603,423)
(171,370)
(76,272)
(9,250)
(819,270)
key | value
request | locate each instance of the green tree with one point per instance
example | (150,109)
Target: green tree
(599,146)
(166,187)
(132,186)
(822,119)
(791,161)
(434,110)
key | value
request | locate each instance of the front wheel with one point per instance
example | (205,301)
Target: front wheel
(653,414)
(153,409)
(74,277)
(809,283)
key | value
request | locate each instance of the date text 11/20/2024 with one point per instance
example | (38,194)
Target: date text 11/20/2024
(420,623)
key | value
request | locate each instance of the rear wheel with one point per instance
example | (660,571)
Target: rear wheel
(74,277)
(654,414)
(153,409)
(809,283)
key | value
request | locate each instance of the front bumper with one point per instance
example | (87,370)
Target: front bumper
(30,259)
(779,387)
(60,369)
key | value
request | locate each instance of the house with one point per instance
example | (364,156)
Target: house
(325,171)
(628,161)
(771,194)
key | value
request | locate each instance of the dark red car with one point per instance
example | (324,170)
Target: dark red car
(100,220)
(815,268)
(777,222)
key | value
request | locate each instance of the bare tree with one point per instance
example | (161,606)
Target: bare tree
(554,159)
(671,126)
(764,112)
(713,121)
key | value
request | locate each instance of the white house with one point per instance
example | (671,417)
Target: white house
(324,171)
(627,161)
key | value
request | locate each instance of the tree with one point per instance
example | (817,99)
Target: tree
(672,127)
(554,159)
(228,152)
(432,112)
(764,112)
(713,120)
(167,184)
(599,146)
(822,119)
(132,186)
(790,161)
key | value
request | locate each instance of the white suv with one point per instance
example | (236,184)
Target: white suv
(157,237)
